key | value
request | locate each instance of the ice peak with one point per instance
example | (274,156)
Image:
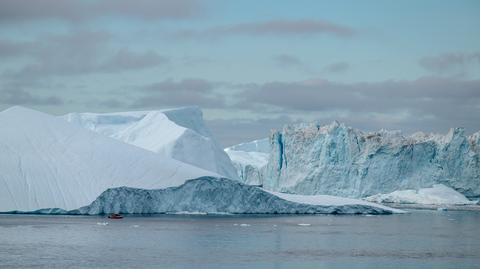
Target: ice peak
(19,109)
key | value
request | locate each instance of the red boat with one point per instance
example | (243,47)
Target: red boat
(115,216)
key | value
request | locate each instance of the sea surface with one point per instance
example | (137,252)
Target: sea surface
(420,239)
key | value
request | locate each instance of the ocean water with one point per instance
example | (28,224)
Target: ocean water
(421,239)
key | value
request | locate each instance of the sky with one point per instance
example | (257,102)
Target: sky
(250,65)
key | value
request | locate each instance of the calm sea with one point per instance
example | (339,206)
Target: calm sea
(421,239)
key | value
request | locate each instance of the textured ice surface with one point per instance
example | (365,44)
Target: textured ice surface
(437,195)
(220,195)
(250,160)
(177,133)
(339,160)
(46,162)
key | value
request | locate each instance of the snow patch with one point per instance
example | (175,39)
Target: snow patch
(437,195)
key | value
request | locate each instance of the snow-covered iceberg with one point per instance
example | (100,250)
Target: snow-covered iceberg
(46,162)
(339,160)
(220,195)
(177,133)
(438,194)
(250,160)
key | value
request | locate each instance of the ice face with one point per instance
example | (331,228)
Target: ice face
(177,133)
(338,160)
(220,195)
(250,160)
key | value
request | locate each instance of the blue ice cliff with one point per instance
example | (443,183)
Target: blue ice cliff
(339,160)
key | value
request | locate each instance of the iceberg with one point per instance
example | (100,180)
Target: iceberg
(438,194)
(176,133)
(250,160)
(338,160)
(46,162)
(220,195)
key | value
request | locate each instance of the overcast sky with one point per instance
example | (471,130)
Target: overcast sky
(250,65)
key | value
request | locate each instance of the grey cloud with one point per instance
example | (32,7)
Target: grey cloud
(454,61)
(77,53)
(112,104)
(456,102)
(79,10)
(18,96)
(272,28)
(180,93)
(10,49)
(287,60)
(231,132)
(128,60)
(338,67)
(324,94)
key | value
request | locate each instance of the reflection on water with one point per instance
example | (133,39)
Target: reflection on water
(422,239)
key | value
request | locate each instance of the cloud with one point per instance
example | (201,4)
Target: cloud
(16,95)
(338,67)
(11,49)
(453,61)
(287,60)
(128,60)
(80,10)
(231,132)
(75,53)
(443,101)
(179,93)
(301,28)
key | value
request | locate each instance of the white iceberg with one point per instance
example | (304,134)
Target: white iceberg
(46,162)
(177,133)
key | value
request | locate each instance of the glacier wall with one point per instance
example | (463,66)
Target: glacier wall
(216,195)
(339,160)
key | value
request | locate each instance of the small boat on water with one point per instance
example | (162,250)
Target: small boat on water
(115,216)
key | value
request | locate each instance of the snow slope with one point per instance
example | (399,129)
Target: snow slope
(339,160)
(437,195)
(46,162)
(250,160)
(176,133)
(217,195)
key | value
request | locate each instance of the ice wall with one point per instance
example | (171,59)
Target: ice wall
(339,160)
